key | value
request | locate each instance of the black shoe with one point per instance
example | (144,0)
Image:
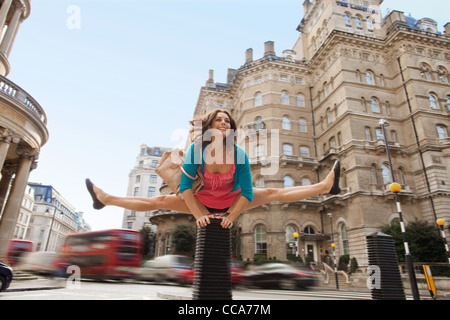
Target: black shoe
(97,204)
(336,189)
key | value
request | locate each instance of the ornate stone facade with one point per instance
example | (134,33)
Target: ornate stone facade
(322,101)
(23,126)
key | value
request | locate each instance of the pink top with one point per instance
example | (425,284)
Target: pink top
(216,193)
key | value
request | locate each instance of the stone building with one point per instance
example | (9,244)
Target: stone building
(322,100)
(23,125)
(143,182)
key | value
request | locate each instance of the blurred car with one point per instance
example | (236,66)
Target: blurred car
(237,274)
(40,262)
(165,268)
(279,275)
(6,276)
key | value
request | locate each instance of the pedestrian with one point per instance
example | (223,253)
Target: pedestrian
(227,189)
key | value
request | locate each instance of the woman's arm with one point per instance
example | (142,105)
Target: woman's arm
(192,204)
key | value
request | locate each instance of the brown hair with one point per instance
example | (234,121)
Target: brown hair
(206,121)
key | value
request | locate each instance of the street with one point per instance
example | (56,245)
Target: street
(90,290)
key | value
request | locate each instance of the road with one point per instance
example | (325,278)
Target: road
(89,290)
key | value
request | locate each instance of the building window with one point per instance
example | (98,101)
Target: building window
(373,172)
(260,240)
(348,20)
(302,127)
(300,100)
(344,240)
(375,105)
(425,72)
(434,104)
(358,23)
(306,182)
(309,230)
(386,174)
(441,131)
(368,133)
(168,242)
(258,99)
(291,242)
(151,192)
(287,149)
(153,178)
(448,103)
(155,163)
(369,78)
(136,191)
(259,124)
(260,150)
(379,133)
(284,97)
(286,123)
(304,152)
(259,183)
(138,179)
(288,182)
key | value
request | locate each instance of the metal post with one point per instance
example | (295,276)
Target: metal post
(441,224)
(333,245)
(395,188)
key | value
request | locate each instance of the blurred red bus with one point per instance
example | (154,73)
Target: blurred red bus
(109,254)
(16,249)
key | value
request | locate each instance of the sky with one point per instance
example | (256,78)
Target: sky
(112,75)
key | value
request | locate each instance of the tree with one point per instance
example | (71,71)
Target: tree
(424,242)
(183,239)
(148,241)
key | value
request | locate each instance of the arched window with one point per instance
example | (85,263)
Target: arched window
(259,124)
(260,239)
(386,173)
(370,78)
(286,123)
(434,104)
(448,103)
(344,240)
(375,105)
(306,182)
(329,116)
(348,20)
(358,23)
(284,97)
(369,24)
(258,99)
(288,182)
(425,71)
(374,175)
(300,100)
(309,230)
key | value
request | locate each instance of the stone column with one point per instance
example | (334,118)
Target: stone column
(11,33)
(6,138)
(8,171)
(14,202)
(4,12)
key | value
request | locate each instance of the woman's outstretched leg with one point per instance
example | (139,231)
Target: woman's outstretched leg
(139,204)
(294,194)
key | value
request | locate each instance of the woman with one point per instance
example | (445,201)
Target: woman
(228,184)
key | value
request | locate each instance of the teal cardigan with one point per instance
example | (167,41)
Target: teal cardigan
(242,176)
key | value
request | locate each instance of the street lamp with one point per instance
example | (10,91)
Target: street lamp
(441,224)
(396,188)
(333,245)
(296,236)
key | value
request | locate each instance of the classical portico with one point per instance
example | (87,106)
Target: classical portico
(23,126)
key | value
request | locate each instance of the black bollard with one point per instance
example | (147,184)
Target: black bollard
(212,279)
(388,284)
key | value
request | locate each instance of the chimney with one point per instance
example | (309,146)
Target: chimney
(269,49)
(249,56)
(447,29)
(210,82)
(231,75)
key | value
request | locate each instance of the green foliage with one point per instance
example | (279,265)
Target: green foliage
(183,239)
(424,241)
(148,241)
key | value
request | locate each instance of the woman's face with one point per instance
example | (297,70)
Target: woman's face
(222,123)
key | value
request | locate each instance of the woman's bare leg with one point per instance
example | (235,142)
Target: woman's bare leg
(140,204)
(294,194)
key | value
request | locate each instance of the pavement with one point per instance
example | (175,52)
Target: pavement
(172,292)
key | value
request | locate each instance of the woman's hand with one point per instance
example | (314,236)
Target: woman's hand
(203,221)
(226,223)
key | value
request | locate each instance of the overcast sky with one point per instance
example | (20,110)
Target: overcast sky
(129,72)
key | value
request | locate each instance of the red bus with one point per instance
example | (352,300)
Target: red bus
(16,249)
(109,254)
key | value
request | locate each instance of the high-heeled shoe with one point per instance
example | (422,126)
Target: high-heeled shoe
(336,189)
(96,203)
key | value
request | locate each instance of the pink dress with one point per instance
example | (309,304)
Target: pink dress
(216,193)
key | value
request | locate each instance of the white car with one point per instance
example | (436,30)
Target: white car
(165,268)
